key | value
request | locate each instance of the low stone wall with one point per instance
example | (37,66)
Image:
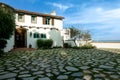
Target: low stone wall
(106,45)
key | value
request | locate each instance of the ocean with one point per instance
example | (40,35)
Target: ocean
(111,41)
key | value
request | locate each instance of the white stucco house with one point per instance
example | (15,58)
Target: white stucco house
(32,25)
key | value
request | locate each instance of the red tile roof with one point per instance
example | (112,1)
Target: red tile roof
(38,14)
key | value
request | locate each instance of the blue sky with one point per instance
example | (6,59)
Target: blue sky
(101,17)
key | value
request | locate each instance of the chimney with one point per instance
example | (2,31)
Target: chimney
(53,13)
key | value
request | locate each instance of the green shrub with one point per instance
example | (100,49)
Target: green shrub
(87,46)
(2,45)
(75,47)
(7,25)
(47,43)
(40,43)
(1,52)
(66,45)
(57,47)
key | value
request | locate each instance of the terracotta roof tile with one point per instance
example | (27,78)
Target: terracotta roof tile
(38,14)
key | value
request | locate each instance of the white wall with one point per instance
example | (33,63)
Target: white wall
(58,24)
(107,45)
(66,34)
(10,44)
(55,35)
(27,22)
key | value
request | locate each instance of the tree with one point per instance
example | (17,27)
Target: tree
(74,32)
(86,36)
(7,25)
(77,33)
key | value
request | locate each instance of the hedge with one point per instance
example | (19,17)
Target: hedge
(44,43)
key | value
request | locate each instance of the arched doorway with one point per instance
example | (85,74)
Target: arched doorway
(20,37)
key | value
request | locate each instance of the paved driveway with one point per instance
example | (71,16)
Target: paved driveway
(61,64)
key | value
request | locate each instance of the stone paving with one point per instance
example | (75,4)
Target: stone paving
(61,64)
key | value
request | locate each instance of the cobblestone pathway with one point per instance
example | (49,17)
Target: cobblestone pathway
(61,64)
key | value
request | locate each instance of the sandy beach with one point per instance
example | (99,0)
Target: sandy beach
(114,45)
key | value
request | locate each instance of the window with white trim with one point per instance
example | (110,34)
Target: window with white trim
(21,17)
(36,35)
(33,19)
(42,35)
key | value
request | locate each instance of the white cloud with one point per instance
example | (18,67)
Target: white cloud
(99,9)
(61,6)
(104,23)
(115,13)
(95,15)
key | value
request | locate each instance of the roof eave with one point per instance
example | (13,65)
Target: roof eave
(38,14)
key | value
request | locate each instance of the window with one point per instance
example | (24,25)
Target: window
(46,21)
(36,35)
(20,17)
(33,19)
(43,36)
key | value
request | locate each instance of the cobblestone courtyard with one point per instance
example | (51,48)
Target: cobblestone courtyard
(61,64)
